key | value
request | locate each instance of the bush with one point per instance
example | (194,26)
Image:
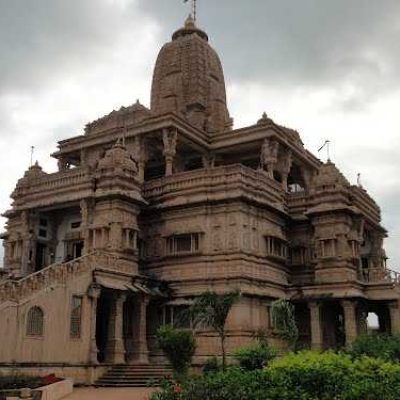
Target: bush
(179,347)
(255,356)
(19,382)
(377,345)
(212,365)
(302,376)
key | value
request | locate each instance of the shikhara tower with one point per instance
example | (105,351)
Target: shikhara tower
(151,207)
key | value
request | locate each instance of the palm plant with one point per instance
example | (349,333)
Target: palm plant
(211,310)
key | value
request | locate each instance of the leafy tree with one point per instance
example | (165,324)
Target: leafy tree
(211,310)
(284,320)
(178,345)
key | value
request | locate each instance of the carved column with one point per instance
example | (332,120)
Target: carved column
(315,322)
(84,205)
(287,166)
(394,317)
(269,156)
(62,164)
(94,294)
(139,154)
(169,140)
(141,352)
(115,353)
(350,321)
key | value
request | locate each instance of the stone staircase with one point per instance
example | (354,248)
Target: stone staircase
(134,376)
(15,290)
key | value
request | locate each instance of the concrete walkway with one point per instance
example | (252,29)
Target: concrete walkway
(110,394)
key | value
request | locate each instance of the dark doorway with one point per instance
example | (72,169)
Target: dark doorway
(102,322)
(303,323)
(77,248)
(40,259)
(333,331)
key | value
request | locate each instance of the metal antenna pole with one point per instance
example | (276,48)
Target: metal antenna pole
(32,149)
(194,3)
(328,149)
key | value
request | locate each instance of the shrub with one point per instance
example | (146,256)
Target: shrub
(302,376)
(212,365)
(284,320)
(377,345)
(179,347)
(255,356)
(327,376)
(19,381)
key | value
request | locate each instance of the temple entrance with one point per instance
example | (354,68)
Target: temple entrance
(102,323)
(302,317)
(333,329)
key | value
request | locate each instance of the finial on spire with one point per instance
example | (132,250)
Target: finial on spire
(194,9)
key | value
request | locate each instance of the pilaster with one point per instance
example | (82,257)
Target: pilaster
(315,322)
(350,321)
(141,352)
(93,294)
(394,317)
(115,351)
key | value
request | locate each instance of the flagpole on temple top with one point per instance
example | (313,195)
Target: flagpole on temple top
(327,144)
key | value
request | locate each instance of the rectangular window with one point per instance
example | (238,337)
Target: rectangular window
(75,225)
(76,317)
(186,243)
(43,233)
(276,247)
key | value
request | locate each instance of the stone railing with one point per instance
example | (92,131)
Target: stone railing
(68,178)
(59,185)
(15,290)
(376,275)
(217,181)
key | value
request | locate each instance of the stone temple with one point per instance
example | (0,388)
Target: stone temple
(153,206)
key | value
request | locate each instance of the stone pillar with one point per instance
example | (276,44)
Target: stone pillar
(141,351)
(350,321)
(169,140)
(169,161)
(141,166)
(115,350)
(94,294)
(394,317)
(315,322)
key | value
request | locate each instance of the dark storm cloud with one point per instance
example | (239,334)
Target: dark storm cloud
(300,43)
(44,39)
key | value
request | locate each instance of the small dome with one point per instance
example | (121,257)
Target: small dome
(117,158)
(330,176)
(188,80)
(34,172)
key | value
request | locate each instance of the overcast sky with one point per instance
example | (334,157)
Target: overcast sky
(330,69)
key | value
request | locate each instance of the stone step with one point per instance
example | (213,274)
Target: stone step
(134,376)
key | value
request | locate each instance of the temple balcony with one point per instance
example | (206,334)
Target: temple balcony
(215,184)
(50,189)
(376,275)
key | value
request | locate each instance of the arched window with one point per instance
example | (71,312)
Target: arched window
(35,322)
